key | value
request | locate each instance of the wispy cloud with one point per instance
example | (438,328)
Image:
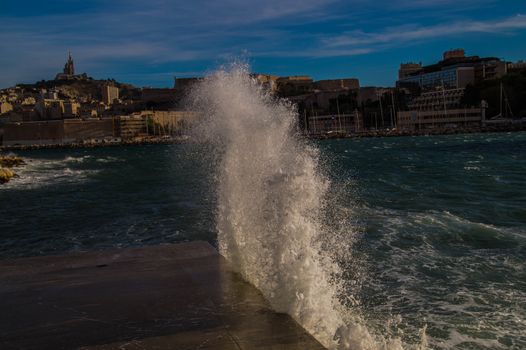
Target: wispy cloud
(406,33)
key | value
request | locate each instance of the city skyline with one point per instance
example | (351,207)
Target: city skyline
(147,45)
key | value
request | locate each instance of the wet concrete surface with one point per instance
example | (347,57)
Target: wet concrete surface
(181,296)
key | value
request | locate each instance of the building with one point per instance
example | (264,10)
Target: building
(185,83)
(78,130)
(454,54)
(437,100)
(169,122)
(407,69)
(294,85)
(266,80)
(440,119)
(68,73)
(71,109)
(454,71)
(334,124)
(109,94)
(446,77)
(519,65)
(439,109)
(57,132)
(50,109)
(5,107)
(91,110)
(159,96)
(29,113)
(337,84)
(369,94)
(129,127)
(338,101)
(33,133)
(28,100)
(49,94)
(69,67)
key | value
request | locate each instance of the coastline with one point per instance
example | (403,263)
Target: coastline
(431,132)
(134,142)
(182,140)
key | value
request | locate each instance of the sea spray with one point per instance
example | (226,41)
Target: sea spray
(272,195)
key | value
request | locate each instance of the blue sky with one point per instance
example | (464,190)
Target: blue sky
(148,42)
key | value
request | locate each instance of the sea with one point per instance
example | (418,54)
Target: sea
(372,243)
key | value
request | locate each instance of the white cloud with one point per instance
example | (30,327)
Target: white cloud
(407,33)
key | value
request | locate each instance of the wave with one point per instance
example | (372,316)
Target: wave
(40,172)
(463,279)
(273,201)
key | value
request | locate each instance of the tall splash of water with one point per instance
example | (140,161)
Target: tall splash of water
(271,198)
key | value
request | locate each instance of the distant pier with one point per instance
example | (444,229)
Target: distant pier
(180,296)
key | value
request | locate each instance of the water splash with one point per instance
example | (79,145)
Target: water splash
(272,199)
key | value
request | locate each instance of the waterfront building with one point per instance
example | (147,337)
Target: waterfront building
(132,126)
(334,124)
(169,122)
(454,71)
(446,77)
(440,119)
(437,100)
(109,94)
(56,132)
(338,101)
(439,109)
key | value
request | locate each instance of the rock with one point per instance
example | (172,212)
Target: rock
(11,161)
(6,175)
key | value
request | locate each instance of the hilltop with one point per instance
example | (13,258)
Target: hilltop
(88,88)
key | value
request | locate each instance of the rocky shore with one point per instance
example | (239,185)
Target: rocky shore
(6,164)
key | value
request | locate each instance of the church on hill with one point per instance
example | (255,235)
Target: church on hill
(68,73)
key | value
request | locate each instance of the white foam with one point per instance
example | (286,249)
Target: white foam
(37,173)
(272,199)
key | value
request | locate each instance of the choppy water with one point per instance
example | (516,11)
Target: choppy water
(440,223)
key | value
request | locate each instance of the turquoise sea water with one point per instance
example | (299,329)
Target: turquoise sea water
(442,222)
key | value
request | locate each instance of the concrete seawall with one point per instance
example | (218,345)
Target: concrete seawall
(181,296)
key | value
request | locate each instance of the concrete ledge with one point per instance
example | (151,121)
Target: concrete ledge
(182,296)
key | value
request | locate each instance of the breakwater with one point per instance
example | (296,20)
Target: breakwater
(139,141)
(425,132)
(182,296)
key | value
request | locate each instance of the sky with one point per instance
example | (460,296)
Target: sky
(147,43)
